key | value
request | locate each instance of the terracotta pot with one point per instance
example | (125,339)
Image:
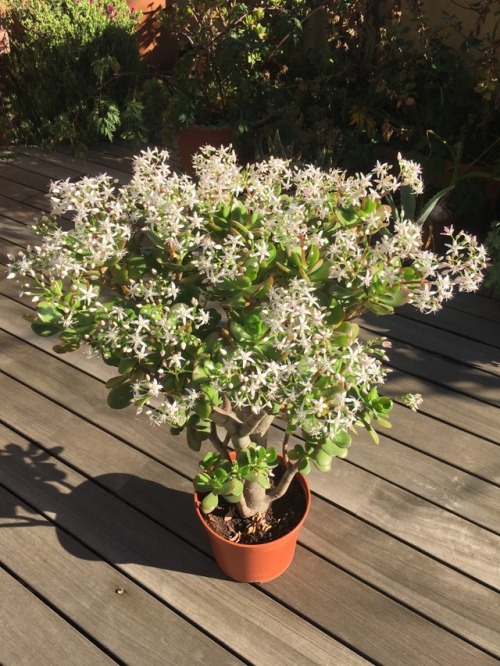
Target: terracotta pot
(157,47)
(255,563)
(194,137)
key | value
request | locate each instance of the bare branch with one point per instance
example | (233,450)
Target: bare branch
(284,484)
(284,448)
(219,445)
(226,404)
(227,420)
(253,423)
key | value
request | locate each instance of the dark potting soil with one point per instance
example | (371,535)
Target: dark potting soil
(281,517)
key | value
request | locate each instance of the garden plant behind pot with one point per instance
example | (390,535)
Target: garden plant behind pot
(227,302)
(231,68)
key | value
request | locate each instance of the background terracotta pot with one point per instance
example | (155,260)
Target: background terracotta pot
(255,563)
(157,47)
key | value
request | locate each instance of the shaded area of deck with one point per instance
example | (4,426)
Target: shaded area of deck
(399,561)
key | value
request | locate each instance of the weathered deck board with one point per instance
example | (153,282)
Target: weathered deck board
(182,577)
(60,163)
(398,562)
(31,633)
(448,344)
(444,404)
(123,618)
(450,319)
(90,511)
(477,305)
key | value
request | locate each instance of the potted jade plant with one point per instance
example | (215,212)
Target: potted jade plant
(227,302)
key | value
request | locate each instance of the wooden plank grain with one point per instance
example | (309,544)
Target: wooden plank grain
(462,412)
(120,155)
(331,597)
(15,232)
(71,164)
(16,191)
(425,336)
(455,446)
(31,633)
(444,485)
(106,159)
(388,634)
(14,172)
(452,375)
(176,573)
(438,592)
(431,588)
(415,521)
(128,485)
(393,505)
(132,625)
(38,163)
(467,324)
(19,211)
(477,304)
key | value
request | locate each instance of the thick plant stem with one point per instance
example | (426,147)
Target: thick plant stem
(244,428)
(218,444)
(257,500)
(254,500)
(243,431)
(287,478)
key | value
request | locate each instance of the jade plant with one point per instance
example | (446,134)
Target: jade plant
(229,300)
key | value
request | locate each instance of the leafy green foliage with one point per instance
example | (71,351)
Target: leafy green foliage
(320,451)
(227,478)
(219,477)
(71,72)
(231,59)
(365,79)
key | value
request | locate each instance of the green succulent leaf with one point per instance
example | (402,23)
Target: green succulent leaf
(47,313)
(329,447)
(322,459)
(202,409)
(271,457)
(209,502)
(202,482)
(232,487)
(304,466)
(343,440)
(263,480)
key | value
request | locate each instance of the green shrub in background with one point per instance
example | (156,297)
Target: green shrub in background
(372,76)
(73,73)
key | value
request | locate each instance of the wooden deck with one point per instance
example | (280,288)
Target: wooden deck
(399,561)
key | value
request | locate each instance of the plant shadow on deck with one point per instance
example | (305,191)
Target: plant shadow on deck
(93,523)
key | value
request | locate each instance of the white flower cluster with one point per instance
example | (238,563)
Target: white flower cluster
(240,284)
